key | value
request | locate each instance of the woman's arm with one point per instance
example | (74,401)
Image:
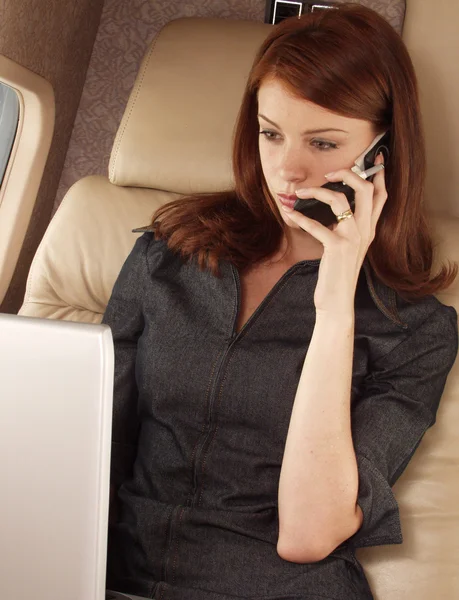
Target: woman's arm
(396,404)
(124,315)
(319,478)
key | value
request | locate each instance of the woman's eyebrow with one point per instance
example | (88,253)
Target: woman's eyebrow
(308,131)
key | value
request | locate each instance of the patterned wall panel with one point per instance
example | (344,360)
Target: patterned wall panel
(125,32)
(53,38)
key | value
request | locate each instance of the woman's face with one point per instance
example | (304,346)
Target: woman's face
(300,142)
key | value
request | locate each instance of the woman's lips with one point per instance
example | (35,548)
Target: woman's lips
(287,199)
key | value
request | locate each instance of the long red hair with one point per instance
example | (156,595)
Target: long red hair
(352,62)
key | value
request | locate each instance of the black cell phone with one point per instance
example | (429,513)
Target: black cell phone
(314,209)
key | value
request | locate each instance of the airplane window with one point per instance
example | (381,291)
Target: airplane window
(9,117)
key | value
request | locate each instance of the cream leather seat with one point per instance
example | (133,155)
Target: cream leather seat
(174,139)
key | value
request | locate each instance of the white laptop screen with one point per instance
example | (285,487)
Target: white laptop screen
(56,387)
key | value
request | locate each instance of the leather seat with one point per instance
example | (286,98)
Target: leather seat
(175,139)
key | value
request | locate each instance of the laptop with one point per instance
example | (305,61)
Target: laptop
(56,388)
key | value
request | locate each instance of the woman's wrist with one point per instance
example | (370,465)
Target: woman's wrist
(341,315)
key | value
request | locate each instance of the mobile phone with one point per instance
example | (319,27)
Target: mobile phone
(314,209)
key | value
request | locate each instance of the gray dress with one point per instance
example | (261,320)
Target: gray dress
(201,415)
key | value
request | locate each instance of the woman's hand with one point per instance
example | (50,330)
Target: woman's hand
(346,244)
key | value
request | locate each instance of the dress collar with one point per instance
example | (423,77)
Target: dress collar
(383,296)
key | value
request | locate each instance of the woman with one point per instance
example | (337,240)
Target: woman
(274,376)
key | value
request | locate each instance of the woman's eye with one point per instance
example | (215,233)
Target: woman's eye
(269,135)
(323,145)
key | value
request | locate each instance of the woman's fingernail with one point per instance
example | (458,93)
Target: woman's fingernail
(287,208)
(329,174)
(302,192)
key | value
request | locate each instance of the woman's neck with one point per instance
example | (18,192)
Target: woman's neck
(297,245)
(292,249)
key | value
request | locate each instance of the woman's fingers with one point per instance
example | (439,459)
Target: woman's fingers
(336,200)
(363,192)
(370,197)
(316,229)
(338,204)
(380,193)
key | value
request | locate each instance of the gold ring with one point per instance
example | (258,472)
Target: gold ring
(347,214)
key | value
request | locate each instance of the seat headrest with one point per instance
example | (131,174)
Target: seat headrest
(177,130)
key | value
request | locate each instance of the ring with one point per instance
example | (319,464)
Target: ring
(347,214)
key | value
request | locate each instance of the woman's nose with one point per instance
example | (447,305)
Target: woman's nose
(292,167)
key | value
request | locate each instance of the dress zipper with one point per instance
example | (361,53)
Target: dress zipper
(232,340)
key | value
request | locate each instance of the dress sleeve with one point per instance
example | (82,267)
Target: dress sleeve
(124,315)
(396,405)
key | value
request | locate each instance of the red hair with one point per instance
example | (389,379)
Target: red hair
(351,62)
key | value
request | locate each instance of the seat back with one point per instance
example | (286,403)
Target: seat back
(175,138)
